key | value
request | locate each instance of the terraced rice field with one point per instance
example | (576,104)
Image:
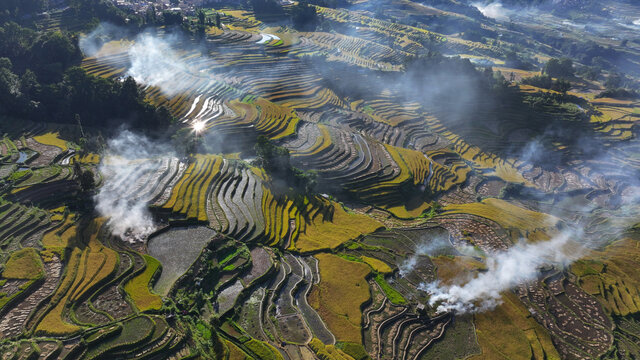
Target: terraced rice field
(410,191)
(138,287)
(339,296)
(174,264)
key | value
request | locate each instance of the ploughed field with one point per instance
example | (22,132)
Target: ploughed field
(414,194)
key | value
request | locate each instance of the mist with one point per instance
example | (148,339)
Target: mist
(154,62)
(128,215)
(494,10)
(520,264)
(92,43)
(154,59)
(433,247)
(524,262)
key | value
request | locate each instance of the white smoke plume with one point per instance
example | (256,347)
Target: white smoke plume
(154,59)
(424,248)
(432,247)
(155,62)
(129,216)
(494,10)
(91,43)
(522,263)
(505,270)
(408,265)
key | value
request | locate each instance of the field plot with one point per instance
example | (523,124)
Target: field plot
(328,297)
(528,339)
(139,287)
(177,249)
(330,234)
(507,215)
(86,270)
(315,185)
(597,274)
(52,139)
(23,264)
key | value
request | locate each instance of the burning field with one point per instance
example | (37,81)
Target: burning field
(344,193)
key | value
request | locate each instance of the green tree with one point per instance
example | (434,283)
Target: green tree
(304,16)
(561,86)
(18,8)
(87,181)
(285,178)
(547,82)
(51,53)
(274,159)
(172,18)
(129,92)
(304,182)
(29,85)
(591,72)
(9,87)
(16,42)
(513,60)
(185,141)
(150,15)
(201,17)
(559,68)
(266,7)
(613,81)
(215,342)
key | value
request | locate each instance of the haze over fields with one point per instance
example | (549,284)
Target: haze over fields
(320,179)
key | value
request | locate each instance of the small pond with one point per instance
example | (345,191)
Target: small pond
(24,155)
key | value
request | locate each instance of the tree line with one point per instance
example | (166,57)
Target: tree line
(40,80)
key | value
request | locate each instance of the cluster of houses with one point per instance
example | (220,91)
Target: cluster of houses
(186,7)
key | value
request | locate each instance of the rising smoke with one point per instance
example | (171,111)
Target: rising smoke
(154,62)
(494,10)
(505,270)
(154,59)
(433,247)
(92,43)
(129,216)
(523,262)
